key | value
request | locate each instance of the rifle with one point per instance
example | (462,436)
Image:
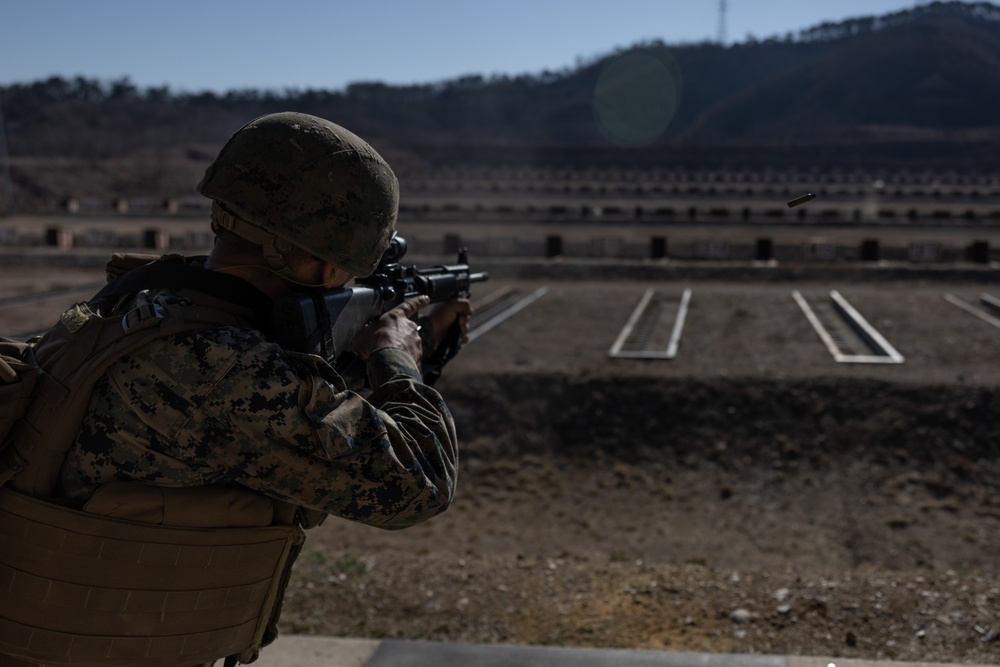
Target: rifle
(324,322)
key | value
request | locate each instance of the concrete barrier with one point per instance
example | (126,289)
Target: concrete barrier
(764,250)
(58,237)
(979,252)
(658,247)
(155,239)
(553,246)
(870,250)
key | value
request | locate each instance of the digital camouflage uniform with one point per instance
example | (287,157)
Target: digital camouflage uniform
(227,406)
(213,408)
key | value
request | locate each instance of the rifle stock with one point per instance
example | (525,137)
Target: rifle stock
(325,322)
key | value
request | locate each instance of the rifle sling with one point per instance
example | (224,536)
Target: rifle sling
(176,275)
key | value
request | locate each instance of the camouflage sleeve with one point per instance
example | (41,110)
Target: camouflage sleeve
(226,406)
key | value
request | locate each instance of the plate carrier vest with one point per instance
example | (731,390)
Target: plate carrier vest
(140,575)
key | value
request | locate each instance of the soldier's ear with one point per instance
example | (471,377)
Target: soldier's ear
(335,277)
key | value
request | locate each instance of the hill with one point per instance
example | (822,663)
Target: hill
(916,89)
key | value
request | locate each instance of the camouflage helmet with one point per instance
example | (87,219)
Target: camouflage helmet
(303,181)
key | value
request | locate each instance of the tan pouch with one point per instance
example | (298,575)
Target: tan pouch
(195,507)
(86,590)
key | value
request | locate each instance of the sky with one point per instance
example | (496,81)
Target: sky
(278,45)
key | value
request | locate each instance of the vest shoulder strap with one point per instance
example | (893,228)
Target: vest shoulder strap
(76,352)
(175,272)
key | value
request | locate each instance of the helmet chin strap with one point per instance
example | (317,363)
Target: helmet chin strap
(274,249)
(268,268)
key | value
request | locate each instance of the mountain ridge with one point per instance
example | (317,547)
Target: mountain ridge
(913,89)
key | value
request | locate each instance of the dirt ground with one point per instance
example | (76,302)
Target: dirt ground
(749,496)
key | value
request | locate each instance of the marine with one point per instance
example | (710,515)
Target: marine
(163,530)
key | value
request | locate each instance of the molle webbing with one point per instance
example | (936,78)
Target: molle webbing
(88,591)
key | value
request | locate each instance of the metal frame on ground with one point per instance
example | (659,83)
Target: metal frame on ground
(987,300)
(477,329)
(885,353)
(616,351)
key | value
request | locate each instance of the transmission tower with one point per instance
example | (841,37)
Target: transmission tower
(722,22)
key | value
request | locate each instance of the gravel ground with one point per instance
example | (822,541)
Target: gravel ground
(750,495)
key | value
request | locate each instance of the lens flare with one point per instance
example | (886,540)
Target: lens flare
(636,97)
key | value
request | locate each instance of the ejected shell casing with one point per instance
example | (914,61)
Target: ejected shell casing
(801,200)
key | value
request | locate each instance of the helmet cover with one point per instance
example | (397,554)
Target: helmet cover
(310,182)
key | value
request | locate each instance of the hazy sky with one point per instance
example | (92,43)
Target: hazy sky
(195,45)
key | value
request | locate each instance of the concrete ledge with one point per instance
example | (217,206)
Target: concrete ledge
(843,662)
(308,651)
